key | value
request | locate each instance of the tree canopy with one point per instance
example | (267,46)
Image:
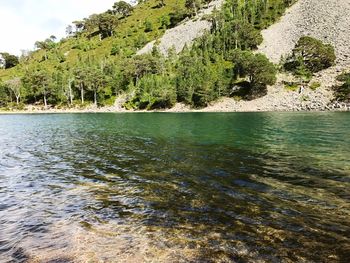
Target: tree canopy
(310,55)
(123,8)
(8,60)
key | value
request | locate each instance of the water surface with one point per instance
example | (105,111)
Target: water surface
(195,187)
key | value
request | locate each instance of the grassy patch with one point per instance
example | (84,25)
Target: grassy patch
(315,85)
(291,86)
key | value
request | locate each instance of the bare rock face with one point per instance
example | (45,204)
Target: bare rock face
(326,20)
(185,33)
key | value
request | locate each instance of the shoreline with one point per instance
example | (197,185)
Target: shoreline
(170,112)
(208,109)
(277,99)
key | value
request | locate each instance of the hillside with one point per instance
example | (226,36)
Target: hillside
(221,49)
(327,20)
(185,33)
(130,35)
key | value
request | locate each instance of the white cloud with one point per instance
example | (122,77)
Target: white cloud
(22,22)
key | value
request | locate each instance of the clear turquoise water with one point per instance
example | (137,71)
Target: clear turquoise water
(194,187)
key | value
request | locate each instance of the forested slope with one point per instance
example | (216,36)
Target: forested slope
(98,60)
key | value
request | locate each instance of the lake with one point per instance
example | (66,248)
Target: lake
(191,187)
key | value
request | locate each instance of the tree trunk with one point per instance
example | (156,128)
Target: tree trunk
(95,97)
(17,100)
(45,101)
(70,93)
(82,94)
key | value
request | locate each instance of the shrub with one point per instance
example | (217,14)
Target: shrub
(315,85)
(108,101)
(291,86)
(165,21)
(140,40)
(177,16)
(148,26)
(115,50)
(342,92)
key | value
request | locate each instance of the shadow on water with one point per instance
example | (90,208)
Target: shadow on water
(179,189)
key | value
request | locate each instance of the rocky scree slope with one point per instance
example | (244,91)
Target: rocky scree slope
(185,33)
(327,20)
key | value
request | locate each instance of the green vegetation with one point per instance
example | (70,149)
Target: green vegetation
(8,61)
(97,60)
(315,85)
(342,92)
(259,70)
(291,86)
(310,56)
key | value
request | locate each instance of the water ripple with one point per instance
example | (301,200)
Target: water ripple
(266,187)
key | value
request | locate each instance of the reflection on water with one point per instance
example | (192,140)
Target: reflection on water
(266,187)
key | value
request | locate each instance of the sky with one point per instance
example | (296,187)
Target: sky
(23,22)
